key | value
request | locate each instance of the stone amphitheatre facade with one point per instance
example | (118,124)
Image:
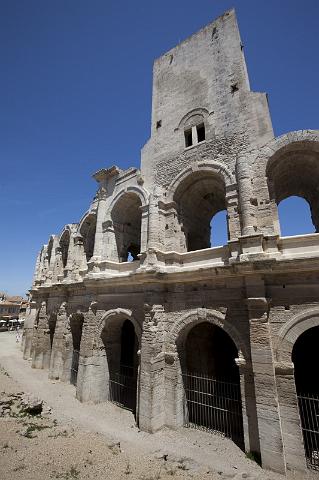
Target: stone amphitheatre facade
(133,305)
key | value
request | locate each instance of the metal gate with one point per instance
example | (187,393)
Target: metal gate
(122,387)
(75,366)
(309,416)
(213,405)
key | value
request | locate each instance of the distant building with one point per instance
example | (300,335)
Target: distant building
(10,306)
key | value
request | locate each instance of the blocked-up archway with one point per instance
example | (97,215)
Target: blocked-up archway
(127,219)
(305,356)
(211,381)
(293,171)
(121,345)
(199,197)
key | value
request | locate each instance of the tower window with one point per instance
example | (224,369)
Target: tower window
(200,132)
(188,138)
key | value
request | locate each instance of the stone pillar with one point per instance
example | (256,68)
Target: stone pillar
(144,227)
(80,263)
(28,330)
(56,360)
(58,266)
(89,371)
(270,434)
(248,399)
(289,417)
(99,242)
(111,252)
(247,214)
(151,393)
(42,346)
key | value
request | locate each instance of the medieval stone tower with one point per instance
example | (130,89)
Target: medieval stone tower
(134,305)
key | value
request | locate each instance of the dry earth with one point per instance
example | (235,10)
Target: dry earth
(70,440)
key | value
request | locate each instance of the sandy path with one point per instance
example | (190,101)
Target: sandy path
(203,452)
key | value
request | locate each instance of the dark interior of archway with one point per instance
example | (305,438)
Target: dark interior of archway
(64,244)
(127,221)
(296,173)
(200,197)
(129,347)
(305,356)
(76,325)
(210,351)
(211,382)
(88,233)
(52,324)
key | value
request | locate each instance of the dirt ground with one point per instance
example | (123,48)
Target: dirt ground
(70,440)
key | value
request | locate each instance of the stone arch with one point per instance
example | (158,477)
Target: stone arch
(292,169)
(196,196)
(194,317)
(139,191)
(64,242)
(212,167)
(117,362)
(203,112)
(114,313)
(209,372)
(87,229)
(126,218)
(291,331)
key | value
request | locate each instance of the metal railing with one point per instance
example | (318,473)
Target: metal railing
(213,405)
(123,387)
(74,367)
(309,416)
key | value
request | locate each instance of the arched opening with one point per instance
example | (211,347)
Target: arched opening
(87,231)
(49,251)
(64,244)
(200,197)
(127,220)
(76,326)
(294,172)
(211,382)
(295,217)
(121,347)
(219,229)
(305,356)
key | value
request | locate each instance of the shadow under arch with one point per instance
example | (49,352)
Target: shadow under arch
(209,384)
(119,337)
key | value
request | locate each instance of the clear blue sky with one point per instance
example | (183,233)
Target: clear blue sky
(75,89)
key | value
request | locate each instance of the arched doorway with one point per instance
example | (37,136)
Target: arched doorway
(211,382)
(76,326)
(305,356)
(121,347)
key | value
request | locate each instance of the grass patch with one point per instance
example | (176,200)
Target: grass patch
(254,456)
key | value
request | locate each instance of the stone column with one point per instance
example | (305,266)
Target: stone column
(247,214)
(270,434)
(248,400)
(151,393)
(28,330)
(56,360)
(99,242)
(58,266)
(289,416)
(89,371)
(42,346)
(80,263)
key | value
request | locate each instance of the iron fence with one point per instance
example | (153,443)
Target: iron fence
(75,366)
(123,386)
(309,416)
(213,405)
